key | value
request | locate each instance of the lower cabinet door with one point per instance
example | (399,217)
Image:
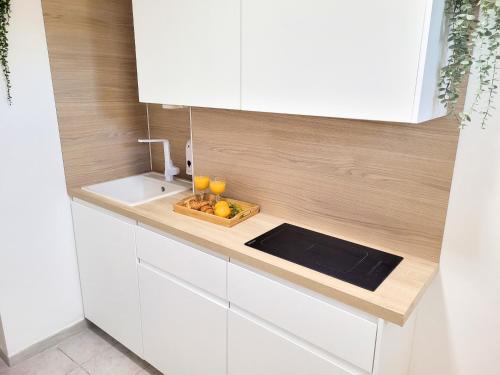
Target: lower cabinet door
(107,263)
(184,331)
(254,349)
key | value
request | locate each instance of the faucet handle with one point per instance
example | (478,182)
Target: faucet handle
(170,169)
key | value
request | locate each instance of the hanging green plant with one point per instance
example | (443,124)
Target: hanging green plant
(4,44)
(473,24)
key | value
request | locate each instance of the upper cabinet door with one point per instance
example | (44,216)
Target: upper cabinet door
(374,60)
(188,52)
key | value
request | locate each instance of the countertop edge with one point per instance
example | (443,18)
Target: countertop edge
(385,313)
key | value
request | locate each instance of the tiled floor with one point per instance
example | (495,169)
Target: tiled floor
(89,352)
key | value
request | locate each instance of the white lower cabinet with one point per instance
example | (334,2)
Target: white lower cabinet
(341,333)
(278,328)
(107,262)
(204,271)
(255,349)
(189,312)
(184,331)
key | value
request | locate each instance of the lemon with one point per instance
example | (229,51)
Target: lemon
(221,204)
(222,210)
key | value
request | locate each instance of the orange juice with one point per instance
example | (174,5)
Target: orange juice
(217,186)
(201,182)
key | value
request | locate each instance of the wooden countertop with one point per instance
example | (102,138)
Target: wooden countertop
(394,300)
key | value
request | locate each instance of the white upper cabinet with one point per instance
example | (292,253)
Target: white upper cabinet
(188,52)
(374,60)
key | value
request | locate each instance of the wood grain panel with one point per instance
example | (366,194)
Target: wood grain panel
(92,57)
(99,141)
(382,183)
(172,124)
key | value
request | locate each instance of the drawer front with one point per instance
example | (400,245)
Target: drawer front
(191,265)
(255,350)
(339,332)
(184,332)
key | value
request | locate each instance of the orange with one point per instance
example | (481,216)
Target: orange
(222,210)
(221,204)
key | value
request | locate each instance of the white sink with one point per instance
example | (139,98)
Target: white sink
(136,190)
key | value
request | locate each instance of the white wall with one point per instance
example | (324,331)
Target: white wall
(458,324)
(39,287)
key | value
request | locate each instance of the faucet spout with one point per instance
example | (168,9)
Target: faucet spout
(170,169)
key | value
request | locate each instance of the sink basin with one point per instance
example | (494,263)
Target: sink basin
(136,190)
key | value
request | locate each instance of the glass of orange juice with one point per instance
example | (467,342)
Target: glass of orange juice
(217,186)
(201,183)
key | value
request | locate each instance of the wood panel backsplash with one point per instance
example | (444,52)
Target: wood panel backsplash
(172,124)
(92,58)
(382,183)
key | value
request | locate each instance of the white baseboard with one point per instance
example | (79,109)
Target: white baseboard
(45,343)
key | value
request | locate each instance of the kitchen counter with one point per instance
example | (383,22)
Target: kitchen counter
(394,300)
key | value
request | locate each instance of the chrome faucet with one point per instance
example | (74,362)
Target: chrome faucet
(170,169)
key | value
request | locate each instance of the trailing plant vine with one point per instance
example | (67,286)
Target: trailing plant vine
(473,24)
(4,44)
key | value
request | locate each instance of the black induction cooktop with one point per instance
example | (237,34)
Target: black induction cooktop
(347,261)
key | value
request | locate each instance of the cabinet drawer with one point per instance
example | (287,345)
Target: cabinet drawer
(191,265)
(337,331)
(184,332)
(254,349)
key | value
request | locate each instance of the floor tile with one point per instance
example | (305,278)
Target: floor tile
(50,362)
(85,345)
(78,371)
(150,370)
(3,365)
(113,361)
(103,334)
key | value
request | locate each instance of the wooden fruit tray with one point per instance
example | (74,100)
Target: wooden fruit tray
(247,210)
